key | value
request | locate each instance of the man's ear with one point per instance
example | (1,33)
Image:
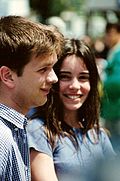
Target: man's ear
(6,76)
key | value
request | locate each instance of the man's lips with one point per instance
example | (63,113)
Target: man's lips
(46,91)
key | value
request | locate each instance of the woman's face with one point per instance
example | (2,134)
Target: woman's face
(74,83)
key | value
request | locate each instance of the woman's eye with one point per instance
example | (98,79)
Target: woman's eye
(83,78)
(64,77)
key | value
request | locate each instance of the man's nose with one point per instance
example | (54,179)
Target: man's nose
(52,77)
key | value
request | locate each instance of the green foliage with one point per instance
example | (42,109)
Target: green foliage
(47,8)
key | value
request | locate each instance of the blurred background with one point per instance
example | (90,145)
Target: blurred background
(76,18)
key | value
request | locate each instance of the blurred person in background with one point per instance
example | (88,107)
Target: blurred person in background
(65,137)
(100,51)
(88,40)
(110,105)
(28,52)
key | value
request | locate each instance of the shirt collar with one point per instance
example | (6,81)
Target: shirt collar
(13,116)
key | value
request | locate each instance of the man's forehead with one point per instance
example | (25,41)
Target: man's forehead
(48,60)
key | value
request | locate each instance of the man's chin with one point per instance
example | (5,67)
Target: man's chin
(43,102)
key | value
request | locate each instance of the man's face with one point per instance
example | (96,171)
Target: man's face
(111,37)
(34,85)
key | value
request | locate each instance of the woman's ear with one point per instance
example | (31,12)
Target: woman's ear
(6,76)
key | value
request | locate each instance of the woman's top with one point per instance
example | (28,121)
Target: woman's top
(71,163)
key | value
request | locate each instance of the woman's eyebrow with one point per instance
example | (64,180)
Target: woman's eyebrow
(84,73)
(81,73)
(65,72)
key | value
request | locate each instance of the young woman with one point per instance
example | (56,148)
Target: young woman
(65,137)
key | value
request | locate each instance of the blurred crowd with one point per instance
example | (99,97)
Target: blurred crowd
(107,53)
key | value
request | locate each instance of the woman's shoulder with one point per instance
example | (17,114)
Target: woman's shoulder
(97,136)
(34,124)
(103,132)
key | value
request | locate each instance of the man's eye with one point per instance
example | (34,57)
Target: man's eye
(43,69)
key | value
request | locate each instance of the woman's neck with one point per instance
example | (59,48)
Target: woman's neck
(71,118)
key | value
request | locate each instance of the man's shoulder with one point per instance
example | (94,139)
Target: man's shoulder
(5,133)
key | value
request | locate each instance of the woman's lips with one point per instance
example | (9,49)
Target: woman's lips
(73,96)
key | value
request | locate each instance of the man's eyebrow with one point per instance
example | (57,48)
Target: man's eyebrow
(48,64)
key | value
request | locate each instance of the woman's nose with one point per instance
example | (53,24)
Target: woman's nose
(75,84)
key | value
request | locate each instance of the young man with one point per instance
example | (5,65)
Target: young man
(111,98)
(28,52)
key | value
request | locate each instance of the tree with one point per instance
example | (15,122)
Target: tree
(47,8)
